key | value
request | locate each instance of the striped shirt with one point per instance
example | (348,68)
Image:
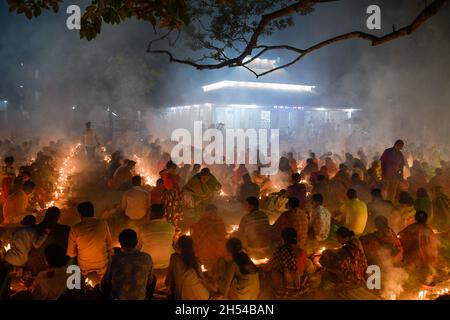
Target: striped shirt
(255,229)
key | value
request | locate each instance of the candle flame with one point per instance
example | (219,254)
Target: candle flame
(203,268)
(7,247)
(88,283)
(259,261)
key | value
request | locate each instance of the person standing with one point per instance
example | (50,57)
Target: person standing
(90,141)
(392,164)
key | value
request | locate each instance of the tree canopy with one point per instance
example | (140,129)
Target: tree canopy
(218,33)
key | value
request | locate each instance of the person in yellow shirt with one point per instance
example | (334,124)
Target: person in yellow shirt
(354,212)
(16,205)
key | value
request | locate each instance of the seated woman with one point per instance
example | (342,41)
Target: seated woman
(287,265)
(420,245)
(241,276)
(184,276)
(348,264)
(209,236)
(382,246)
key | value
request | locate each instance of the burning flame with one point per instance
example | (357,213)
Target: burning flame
(259,261)
(188,233)
(222,193)
(88,283)
(203,268)
(422,294)
(7,247)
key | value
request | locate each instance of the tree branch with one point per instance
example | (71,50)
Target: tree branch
(428,12)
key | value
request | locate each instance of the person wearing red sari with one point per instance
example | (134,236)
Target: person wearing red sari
(420,245)
(171,197)
(382,245)
(209,236)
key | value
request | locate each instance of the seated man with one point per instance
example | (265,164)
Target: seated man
(130,272)
(383,245)
(135,203)
(248,188)
(320,219)
(354,212)
(255,230)
(23,240)
(59,235)
(297,189)
(157,237)
(51,284)
(294,217)
(90,242)
(121,179)
(209,236)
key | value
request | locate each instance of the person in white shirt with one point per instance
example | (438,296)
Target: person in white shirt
(23,240)
(90,242)
(136,201)
(320,219)
(90,141)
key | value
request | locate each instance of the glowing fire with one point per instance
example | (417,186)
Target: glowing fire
(234,227)
(203,268)
(88,283)
(222,193)
(422,294)
(7,247)
(259,261)
(148,177)
(188,233)
(321,250)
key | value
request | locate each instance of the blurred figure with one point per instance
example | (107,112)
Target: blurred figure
(423,203)
(392,165)
(171,197)
(377,207)
(297,189)
(121,179)
(247,188)
(420,245)
(15,207)
(8,174)
(51,284)
(441,208)
(157,192)
(90,141)
(209,236)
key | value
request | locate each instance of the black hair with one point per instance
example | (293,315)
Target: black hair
(405,198)
(86,209)
(205,172)
(345,232)
(317,197)
(399,142)
(186,246)
(253,201)
(293,203)
(381,222)
(28,186)
(28,220)
(52,215)
(376,193)
(352,194)
(289,236)
(128,239)
(159,181)
(157,211)
(55,255)
(136,181)
(243,261)
(421,217)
